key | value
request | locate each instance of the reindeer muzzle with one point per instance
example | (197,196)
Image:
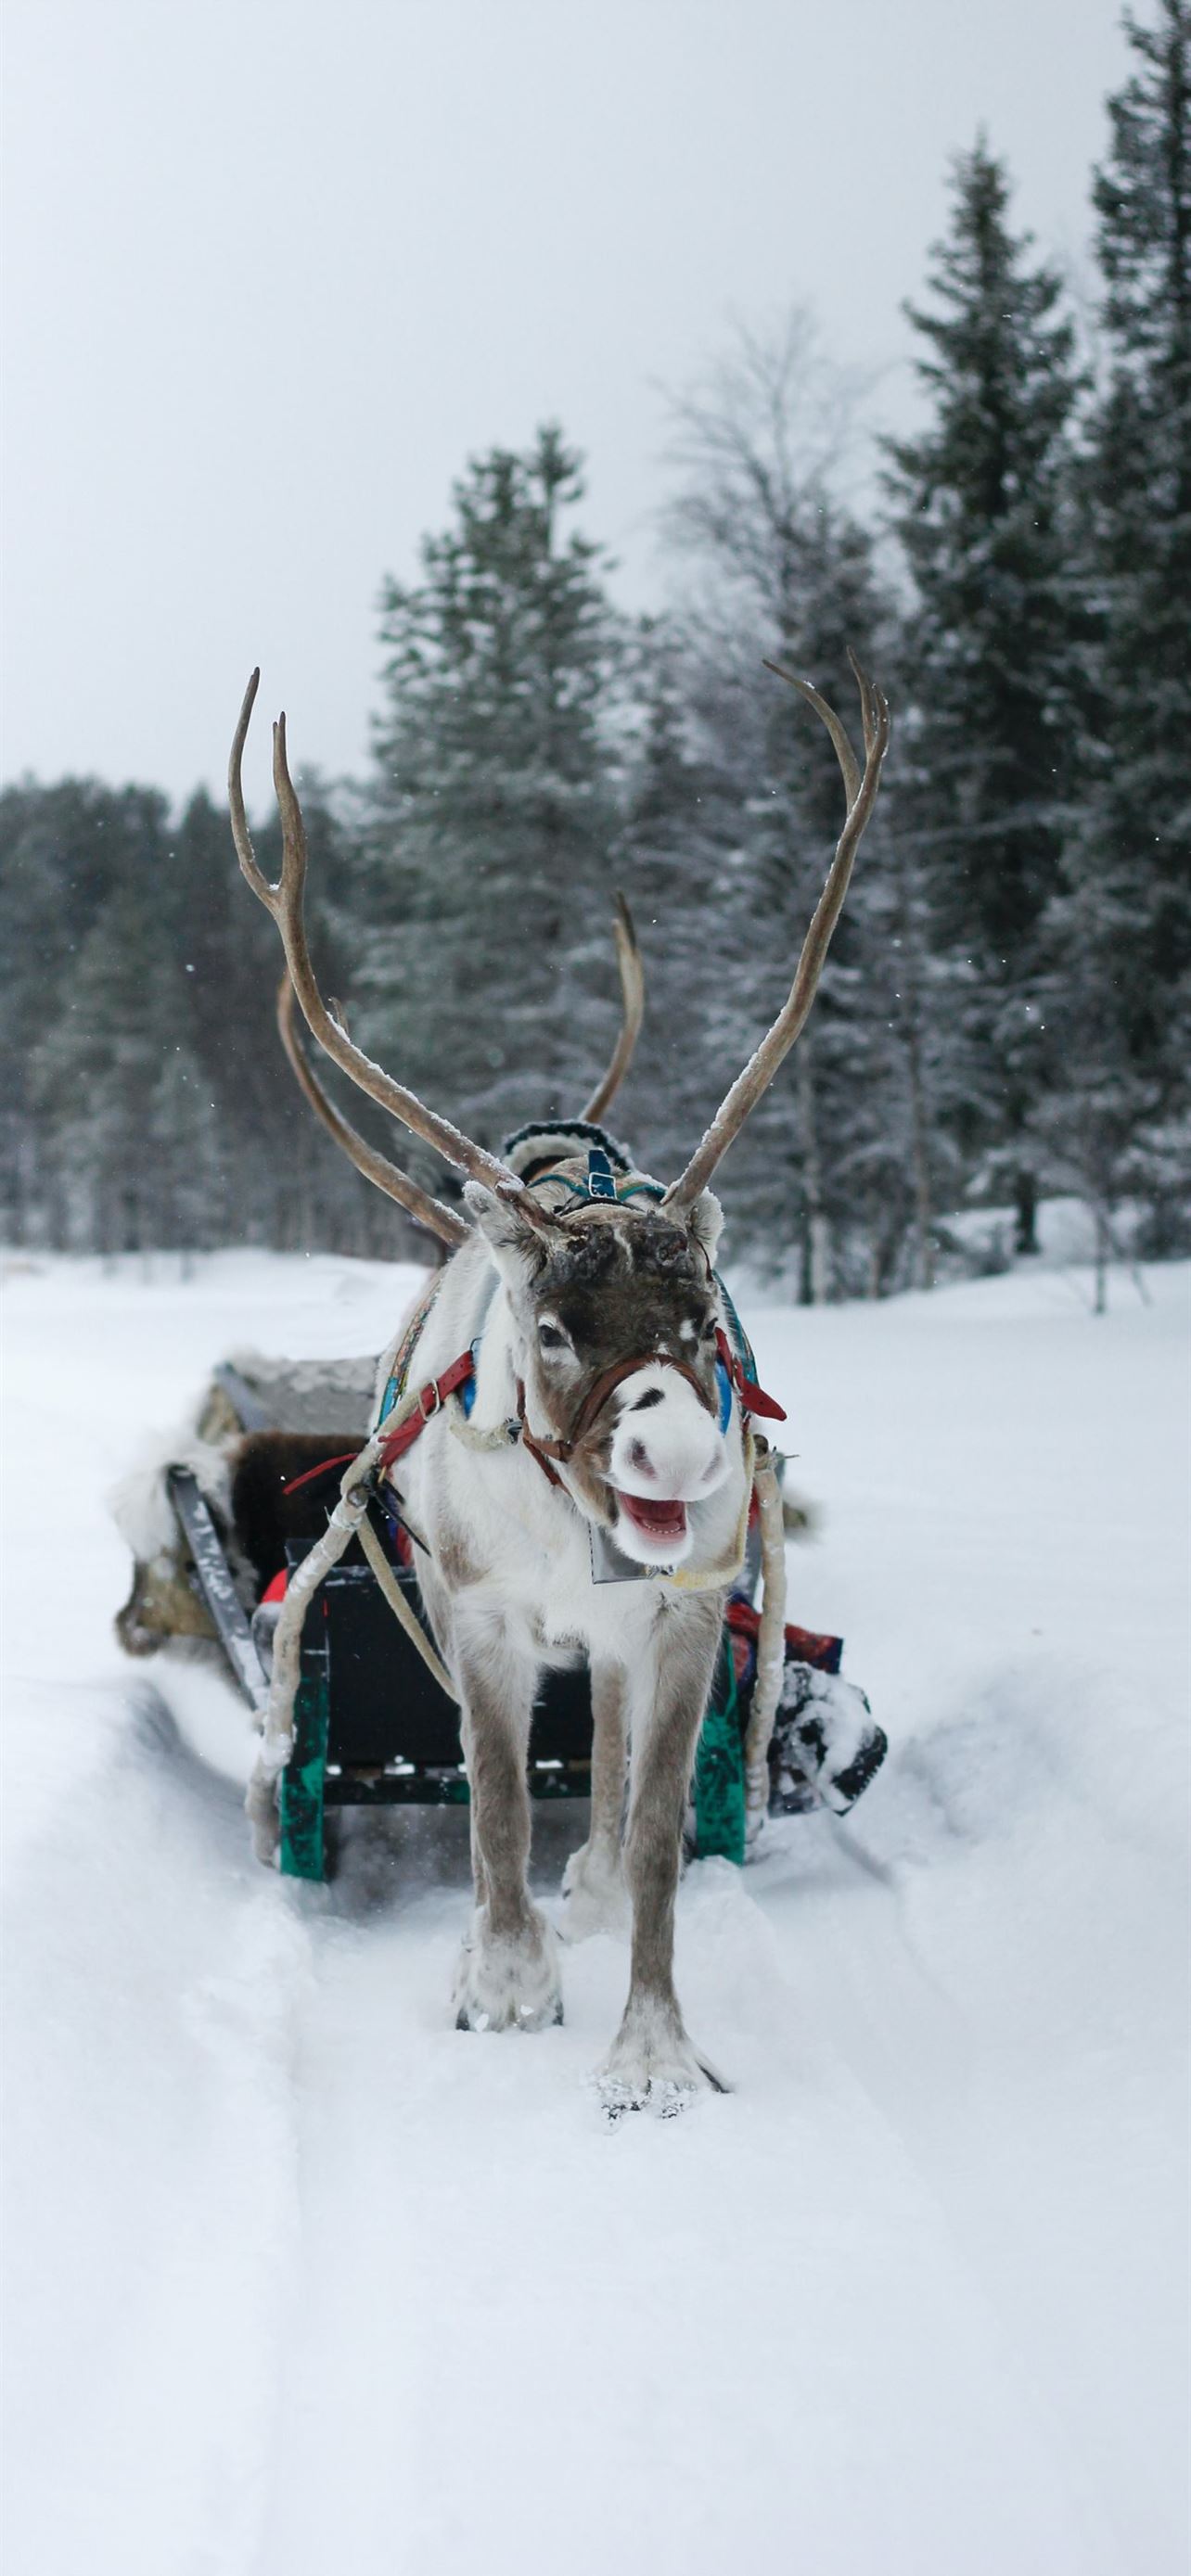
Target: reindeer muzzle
(593,1403)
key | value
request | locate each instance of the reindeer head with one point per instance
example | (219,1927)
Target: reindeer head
(615,1316)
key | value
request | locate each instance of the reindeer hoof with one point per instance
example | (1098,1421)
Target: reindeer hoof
(527,2019)
(503,1983)
(663,2099)
(652,2066)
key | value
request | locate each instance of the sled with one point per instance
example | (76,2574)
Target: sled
(372,1726)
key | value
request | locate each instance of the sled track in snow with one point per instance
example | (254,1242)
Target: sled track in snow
(300,2277)
(333,2277)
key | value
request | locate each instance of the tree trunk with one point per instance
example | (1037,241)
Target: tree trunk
(924,1268)
(1025,1193)
(817,1235)
(1103,1256)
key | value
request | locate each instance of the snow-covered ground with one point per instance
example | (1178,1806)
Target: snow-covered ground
(302,2279)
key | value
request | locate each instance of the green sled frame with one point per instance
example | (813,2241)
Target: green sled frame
(373,1728)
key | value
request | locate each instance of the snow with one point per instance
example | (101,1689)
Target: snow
(300,2277)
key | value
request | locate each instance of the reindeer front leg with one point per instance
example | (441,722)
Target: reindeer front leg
(651,2064)
(508,1973)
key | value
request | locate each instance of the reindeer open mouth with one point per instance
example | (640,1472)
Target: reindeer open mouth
(656,1520)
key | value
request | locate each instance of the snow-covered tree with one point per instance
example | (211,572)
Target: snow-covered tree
(1120,925)
(63,849)
(493,808)
(981,505)
(183,1150)
(96,1073)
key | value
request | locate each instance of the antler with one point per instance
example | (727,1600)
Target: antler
(425,1211)
(285,902)
(632,994)
(861,794)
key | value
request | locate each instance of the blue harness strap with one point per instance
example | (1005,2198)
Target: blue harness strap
(724,1384)
(398,1377)
(744,1348)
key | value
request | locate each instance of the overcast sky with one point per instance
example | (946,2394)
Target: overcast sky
(274,271)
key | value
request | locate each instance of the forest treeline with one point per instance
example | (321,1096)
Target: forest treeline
(1006,1011)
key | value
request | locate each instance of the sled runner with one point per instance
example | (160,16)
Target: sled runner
(372,1724)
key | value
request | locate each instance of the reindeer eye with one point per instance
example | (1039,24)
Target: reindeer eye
(550,1338)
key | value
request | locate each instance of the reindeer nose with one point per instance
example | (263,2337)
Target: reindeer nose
(676,1450)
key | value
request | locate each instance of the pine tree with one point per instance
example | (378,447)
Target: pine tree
(186,1158)
(96,1076)
(1096,1122)
(63,850)
(1120,926)
(493,808)
(287,1183)
(982,510)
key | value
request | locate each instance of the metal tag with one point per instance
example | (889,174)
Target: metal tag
(610,1565)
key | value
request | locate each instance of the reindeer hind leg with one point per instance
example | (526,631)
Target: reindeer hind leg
(595,1893)
(508,1972)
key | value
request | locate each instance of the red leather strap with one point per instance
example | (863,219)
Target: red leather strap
(433,1396)
(323,1468)
(431,1399)
(752,1396)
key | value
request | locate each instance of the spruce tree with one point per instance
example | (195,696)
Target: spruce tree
(96,1074)
(63,851)
(288,1182)
(982,510)
(137,996)
(493,808)
(1117,1118)
(186,1156)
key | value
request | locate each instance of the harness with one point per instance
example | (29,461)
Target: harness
(736,1372)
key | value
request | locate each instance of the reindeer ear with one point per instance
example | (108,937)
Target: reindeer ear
(705,1222)
(515,1237)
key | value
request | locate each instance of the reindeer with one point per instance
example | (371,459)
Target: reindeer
(609,1411)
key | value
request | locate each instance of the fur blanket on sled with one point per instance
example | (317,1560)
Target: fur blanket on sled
(315,1405)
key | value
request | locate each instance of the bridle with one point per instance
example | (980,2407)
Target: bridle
(591,1405)
(731,1375)
(733,1366)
